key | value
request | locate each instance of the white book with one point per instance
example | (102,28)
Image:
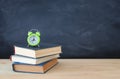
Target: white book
(36,52)
(27,60)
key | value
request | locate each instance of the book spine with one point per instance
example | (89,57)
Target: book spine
(13,68)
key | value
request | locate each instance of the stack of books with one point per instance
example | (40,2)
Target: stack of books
(35,59)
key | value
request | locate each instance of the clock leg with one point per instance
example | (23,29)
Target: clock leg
(27,45)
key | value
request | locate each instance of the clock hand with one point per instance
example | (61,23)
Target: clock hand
(33,39)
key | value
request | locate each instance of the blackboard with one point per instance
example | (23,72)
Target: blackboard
(84,28)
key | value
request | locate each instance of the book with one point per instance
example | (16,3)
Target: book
(39,68)
(36,52)
(28,60)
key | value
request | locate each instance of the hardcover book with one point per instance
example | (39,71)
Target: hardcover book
(36,52)
(39,68)
(28,60)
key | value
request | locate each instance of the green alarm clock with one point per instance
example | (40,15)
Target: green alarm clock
(33,38)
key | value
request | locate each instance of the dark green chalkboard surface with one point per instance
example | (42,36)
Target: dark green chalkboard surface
(84,28)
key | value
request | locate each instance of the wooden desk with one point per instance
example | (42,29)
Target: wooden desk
(69,69)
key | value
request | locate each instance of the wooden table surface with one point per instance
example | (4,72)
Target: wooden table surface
(69,69)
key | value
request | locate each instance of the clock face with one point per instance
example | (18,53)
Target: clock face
(33,40)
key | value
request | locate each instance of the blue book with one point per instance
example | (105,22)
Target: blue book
(30,68)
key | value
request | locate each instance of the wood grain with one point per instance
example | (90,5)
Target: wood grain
(69,69)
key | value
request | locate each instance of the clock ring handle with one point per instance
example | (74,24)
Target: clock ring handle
(34,30)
